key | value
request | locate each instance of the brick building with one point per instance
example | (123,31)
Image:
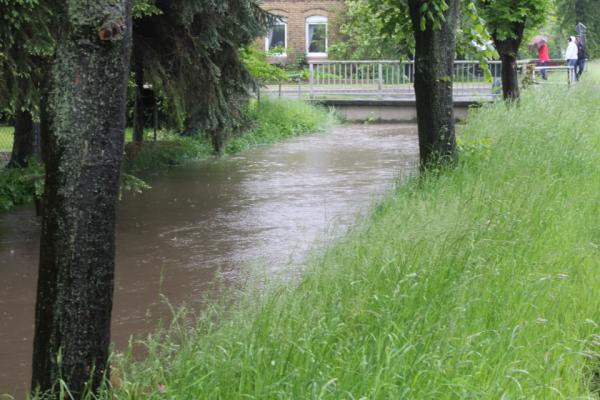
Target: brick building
(305,28)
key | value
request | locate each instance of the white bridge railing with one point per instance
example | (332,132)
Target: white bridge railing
(547,75)
(395,80)
(386,78)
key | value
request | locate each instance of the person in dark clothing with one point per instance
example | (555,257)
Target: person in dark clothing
(581,56)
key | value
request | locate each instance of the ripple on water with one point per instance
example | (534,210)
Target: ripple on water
(264,209)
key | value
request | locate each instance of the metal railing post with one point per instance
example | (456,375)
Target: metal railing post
(312,80)
(380,80)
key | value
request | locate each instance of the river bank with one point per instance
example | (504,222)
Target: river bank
(206,225)
(476,282)
(267,122)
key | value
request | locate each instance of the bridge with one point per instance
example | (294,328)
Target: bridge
(384,90)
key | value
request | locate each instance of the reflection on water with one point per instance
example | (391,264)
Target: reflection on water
(263,209)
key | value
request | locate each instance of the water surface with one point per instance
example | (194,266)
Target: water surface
(262,210)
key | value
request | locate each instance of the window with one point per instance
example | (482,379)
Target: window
(276,41)
(316,36)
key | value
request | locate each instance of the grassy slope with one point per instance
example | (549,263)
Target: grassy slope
(481,282)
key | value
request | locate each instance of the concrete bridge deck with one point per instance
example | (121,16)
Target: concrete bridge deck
(395,110)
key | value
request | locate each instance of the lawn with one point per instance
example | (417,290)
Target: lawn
(592,72)
(6,138)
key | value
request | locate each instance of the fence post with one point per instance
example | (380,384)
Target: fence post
(279,90)
(312,80)
(380,80)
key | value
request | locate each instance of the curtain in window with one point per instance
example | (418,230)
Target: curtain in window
(270,39)
(311,33)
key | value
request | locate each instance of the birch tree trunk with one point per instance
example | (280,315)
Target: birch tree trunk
(434,70)
(84,146)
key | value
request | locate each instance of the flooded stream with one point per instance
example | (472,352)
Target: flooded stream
(263,209)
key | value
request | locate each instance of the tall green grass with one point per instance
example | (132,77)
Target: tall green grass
(274,120)
(268,121)
(479,282)
(592,72)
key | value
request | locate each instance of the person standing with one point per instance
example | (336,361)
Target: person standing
(581,56)
(571,55)
(543,57)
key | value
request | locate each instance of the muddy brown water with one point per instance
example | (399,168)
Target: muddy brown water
(264,210)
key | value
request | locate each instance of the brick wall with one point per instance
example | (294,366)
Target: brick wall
(296,12)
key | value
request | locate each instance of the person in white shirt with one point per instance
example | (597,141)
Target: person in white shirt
(571,54)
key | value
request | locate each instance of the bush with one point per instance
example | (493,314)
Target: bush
(19,186)
(172,150)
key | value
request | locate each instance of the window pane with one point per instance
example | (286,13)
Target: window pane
(278,38)
(317,36)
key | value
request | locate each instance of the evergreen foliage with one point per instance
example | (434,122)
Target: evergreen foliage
(189,49)
(190,52)
(25,41)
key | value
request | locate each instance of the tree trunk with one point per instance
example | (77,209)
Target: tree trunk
(434,70)
(508,50)
(83,154)
(218,143)
(510,77)
(23,140)
(138,114)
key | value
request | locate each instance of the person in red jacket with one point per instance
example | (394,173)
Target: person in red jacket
(543,57)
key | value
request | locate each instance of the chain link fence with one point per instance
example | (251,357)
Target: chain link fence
(6,143)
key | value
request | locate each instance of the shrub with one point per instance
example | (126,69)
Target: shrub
(19,186)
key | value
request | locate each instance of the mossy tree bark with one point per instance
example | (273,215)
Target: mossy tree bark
(22,149)
(434,70)
(83,154)
(508,48)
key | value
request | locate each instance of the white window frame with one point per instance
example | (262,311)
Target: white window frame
(317,20)
(279,22)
